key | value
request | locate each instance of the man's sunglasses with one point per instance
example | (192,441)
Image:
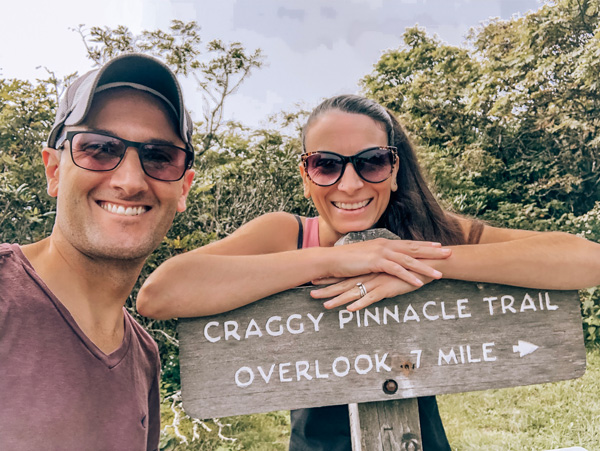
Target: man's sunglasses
(96,151)
(373,165)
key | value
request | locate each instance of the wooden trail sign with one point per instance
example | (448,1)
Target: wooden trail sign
(286,351)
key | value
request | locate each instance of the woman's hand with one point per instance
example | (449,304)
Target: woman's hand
(397,258)
(379,286)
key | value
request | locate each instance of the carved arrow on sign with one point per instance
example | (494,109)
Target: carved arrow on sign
(524,348)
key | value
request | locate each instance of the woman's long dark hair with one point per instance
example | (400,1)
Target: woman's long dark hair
(413,212)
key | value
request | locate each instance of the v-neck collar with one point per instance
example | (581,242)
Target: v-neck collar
(110,360)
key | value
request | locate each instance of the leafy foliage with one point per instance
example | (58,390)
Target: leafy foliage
(26,113)
(588,226)
(508,129)
(218,72)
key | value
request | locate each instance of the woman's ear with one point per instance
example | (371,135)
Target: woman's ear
(395,177)
(305,181)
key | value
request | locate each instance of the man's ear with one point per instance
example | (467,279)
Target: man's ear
(305,181)
(51,159)
(188,177)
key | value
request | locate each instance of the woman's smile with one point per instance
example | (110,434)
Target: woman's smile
(352,205)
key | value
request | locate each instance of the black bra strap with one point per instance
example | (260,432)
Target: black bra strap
(300,231)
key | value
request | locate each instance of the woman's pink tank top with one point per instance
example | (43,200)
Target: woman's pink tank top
(311,233)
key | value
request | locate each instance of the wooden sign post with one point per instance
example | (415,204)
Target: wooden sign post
(288,352)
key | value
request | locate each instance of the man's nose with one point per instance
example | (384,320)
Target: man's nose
(129,175)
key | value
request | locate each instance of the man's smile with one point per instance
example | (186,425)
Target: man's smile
(122,209)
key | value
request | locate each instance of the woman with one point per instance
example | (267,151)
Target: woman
(360,170)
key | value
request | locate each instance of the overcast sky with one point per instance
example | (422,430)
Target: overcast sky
(314,48)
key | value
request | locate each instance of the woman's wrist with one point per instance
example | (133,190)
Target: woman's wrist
(442,265)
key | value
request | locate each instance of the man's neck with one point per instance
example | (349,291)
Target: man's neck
(93,290)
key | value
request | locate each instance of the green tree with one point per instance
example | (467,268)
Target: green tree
(26,113)
(509,127)
(218,71)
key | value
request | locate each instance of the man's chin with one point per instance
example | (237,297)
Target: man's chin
(121,251)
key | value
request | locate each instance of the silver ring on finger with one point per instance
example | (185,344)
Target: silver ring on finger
(362,288)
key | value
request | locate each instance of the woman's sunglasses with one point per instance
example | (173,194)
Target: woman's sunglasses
(373,165)
(97,151)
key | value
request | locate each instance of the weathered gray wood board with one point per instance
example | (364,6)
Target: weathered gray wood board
(287,351)
(387,426)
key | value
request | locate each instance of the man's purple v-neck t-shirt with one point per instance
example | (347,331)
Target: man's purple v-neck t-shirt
(58,390)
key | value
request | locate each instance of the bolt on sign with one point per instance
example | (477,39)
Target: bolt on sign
(288,352)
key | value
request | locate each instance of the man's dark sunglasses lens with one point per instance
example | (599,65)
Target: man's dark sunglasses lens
(99,152)
(372,165)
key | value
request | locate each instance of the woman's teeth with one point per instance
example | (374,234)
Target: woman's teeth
(353,206)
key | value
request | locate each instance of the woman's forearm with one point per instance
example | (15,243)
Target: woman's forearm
(197,284)
(552,260)
(201,283)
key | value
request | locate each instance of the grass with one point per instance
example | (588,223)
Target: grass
(259,432)
(536,417)
(532,418)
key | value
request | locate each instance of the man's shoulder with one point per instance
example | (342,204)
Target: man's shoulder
(8,248)
(11,258)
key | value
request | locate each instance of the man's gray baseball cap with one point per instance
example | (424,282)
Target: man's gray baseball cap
(134,70)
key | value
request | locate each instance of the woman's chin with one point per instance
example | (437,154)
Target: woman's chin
(346,227)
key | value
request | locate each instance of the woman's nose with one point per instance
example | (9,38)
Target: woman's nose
(350,180)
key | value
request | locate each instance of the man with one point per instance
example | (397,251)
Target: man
(76,371)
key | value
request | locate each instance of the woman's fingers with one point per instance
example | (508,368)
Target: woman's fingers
(392,266)
(339,288)
(419,249)
(351,296)
(375,289)
(402,273)
(405,263)
(395,257)
(363,302)
(406,254)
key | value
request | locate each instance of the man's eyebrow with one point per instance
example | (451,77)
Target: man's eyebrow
(150,141)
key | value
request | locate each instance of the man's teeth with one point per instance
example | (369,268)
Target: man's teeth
(121,210)
(353,206)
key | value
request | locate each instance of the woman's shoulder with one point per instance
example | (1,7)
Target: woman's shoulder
(276,220)
(268,233)
(471,228)
(477,231)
